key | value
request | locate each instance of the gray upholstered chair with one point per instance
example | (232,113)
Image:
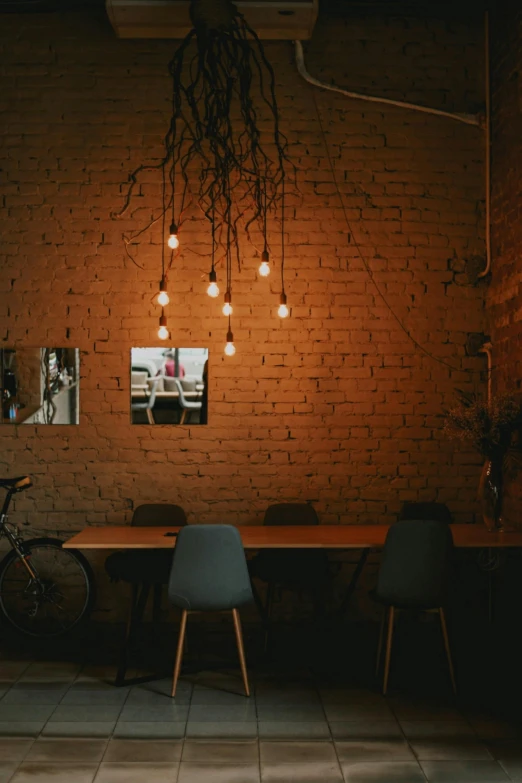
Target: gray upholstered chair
(186,405)
(291,569)
(148,404)
(209,574)
(414,575)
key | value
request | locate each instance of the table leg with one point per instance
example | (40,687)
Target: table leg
(354,580)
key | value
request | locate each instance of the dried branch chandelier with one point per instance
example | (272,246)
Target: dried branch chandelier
(225,145)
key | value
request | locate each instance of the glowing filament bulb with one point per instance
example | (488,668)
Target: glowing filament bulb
(283,310)
(230,348)
(173,240)
(163,332)
(264,268)
(227,307)
(213,289)
(163,297)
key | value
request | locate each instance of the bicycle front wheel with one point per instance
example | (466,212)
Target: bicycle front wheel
(56,599)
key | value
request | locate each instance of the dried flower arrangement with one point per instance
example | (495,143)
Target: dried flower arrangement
(489,426)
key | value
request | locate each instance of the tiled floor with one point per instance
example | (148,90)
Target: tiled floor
(64,722)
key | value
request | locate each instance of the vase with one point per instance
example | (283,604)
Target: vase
(490,494)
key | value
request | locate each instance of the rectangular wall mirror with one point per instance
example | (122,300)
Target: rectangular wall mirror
(40,385)
(169,385)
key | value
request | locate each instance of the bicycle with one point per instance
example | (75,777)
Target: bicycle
(45,590)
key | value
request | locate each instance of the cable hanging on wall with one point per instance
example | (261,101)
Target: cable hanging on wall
(223,139)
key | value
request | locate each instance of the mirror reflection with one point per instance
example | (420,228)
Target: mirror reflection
(40,385)
(169,385)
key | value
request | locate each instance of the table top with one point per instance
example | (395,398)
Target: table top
(283,537)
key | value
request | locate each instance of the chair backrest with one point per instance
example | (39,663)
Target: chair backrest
(291,514)
(209,570)
(426,510)
(158,515)
(415,562)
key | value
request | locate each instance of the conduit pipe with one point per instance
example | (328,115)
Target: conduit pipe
(487,268)
(468,119)
(487,349)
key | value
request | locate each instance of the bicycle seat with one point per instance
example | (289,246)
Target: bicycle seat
(16,484)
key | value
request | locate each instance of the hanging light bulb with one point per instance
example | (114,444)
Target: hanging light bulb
(173,240)
(163,298)
(283,310)
(264,268)
(213,289)
(230,348)
(163,332)
(227,307)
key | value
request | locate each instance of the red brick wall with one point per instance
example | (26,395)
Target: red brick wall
(504,299)
(335,405)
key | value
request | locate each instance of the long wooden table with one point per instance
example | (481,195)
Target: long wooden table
(333,537)
(284,537)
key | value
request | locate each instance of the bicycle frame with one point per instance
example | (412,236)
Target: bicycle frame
(12,536)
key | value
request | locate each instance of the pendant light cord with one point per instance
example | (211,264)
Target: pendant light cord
(283,236)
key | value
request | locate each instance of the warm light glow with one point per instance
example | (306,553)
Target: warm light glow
(230,349)
(163,333)
(173,242)
(283,311)
(264,269)
(213,290)
(227,308)
(163,298)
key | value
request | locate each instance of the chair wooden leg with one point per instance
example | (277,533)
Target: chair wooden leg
(179,651)
(240,649)
(183,416)
(381,639)
(391,618)
(446,645)
(150,416)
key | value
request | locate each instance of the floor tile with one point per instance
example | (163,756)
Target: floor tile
(137,773)
(350,712)
(296,752)
(41,772)
(348,696)
(78,728)
(410,709)
(378,729)
(246,752)
(294,730)
(374,750)
(13,749)
(81,750)
(98,712)
(225,729)
(12,670)
(25,712)
(494,729)
(87,697)
(141,697)
(302,772)
(21,728)
(201,713)
(506,749)
(50,671)
(192,772)
(513,769)
(154,712)
(150,729)
(208,696)
(7,769)
(32,696)
(450,750)
(130,750)
(425,728)
(383,772)
(289,712)
(464,772)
